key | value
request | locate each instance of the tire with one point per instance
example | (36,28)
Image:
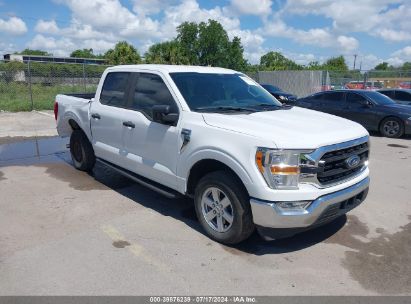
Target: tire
(392,127)
(82,153)
(218,187)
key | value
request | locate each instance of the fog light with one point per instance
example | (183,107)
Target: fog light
(291,206)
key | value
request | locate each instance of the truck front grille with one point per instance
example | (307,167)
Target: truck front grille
(335,163)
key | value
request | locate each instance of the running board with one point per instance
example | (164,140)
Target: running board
(167,192)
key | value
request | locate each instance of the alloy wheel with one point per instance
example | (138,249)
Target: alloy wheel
(217,209)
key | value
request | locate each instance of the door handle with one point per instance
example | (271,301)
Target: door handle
(129,124)
(95,116)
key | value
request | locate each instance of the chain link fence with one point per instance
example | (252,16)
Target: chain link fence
(299,83)
(26,86)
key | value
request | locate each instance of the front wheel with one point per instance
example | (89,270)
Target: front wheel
(392,127)
(82,152)
(223,208)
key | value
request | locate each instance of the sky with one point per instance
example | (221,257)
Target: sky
(303,30)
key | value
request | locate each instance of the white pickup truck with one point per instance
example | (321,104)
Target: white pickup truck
(217,136)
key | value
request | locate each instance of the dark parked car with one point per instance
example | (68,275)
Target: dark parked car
(401,96)
(375,111)
(279,94)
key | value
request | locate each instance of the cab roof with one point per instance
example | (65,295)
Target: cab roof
(172,68)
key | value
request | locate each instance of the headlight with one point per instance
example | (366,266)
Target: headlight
(280,168)
(281,97)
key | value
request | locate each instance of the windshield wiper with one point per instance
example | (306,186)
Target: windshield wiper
(282,107)
(225,108)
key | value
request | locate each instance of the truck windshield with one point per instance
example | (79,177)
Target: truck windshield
(211,92)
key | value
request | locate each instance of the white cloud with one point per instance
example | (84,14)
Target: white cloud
(252,42)
(190,10)
(321,37)
(59,47)
(13,26)
(400,56)
(47,27)
(347,43)
(148,7)
(112,16)
(375,17)
(64,46)
(393,35)
(252,7)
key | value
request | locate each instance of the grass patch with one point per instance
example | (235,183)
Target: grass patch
(15,96)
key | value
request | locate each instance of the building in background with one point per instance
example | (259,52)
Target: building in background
(36,58)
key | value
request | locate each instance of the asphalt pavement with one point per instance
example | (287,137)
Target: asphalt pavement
(65,232)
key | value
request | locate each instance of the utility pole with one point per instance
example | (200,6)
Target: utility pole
(355,59)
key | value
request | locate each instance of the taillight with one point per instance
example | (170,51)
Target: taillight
(56,110)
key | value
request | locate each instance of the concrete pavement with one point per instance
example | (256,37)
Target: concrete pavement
(64,232)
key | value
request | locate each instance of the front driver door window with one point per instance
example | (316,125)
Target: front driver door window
(359,111)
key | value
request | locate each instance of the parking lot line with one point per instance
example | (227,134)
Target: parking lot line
(135,248)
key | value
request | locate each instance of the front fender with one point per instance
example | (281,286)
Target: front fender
(214,154)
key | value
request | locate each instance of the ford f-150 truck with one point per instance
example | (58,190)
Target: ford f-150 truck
(217,136)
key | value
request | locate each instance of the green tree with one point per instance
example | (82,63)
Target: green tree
(169,52)
(84,53)
(34,52)
(335,64)
(213,44)
(236,59)
(207,43)
(187,38)
(314,65)
(276,61)
(406,66)
(123,53)
(381,66)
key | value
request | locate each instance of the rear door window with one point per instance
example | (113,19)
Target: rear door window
(334,97)
(355,98)
(403,96)
(390,94)
(114,91)
(317,97)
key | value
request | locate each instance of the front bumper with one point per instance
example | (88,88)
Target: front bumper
(322,210)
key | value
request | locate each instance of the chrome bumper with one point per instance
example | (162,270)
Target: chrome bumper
(267,214)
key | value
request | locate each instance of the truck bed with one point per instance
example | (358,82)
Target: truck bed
(81,95)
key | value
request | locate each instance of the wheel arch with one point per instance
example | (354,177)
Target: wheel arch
(71,122)
(206,166)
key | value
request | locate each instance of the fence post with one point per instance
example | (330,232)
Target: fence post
(84,78)
(30,89)
(365,79)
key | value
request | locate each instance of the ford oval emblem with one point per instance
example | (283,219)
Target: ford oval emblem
(352,161)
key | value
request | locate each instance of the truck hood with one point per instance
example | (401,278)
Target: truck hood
(296,128)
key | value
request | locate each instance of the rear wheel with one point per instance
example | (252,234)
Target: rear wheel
(82,152)
(392,127)
(223,208)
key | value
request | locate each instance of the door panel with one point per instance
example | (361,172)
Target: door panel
(106,118)
(334,103)
(358,111)
(151,148)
